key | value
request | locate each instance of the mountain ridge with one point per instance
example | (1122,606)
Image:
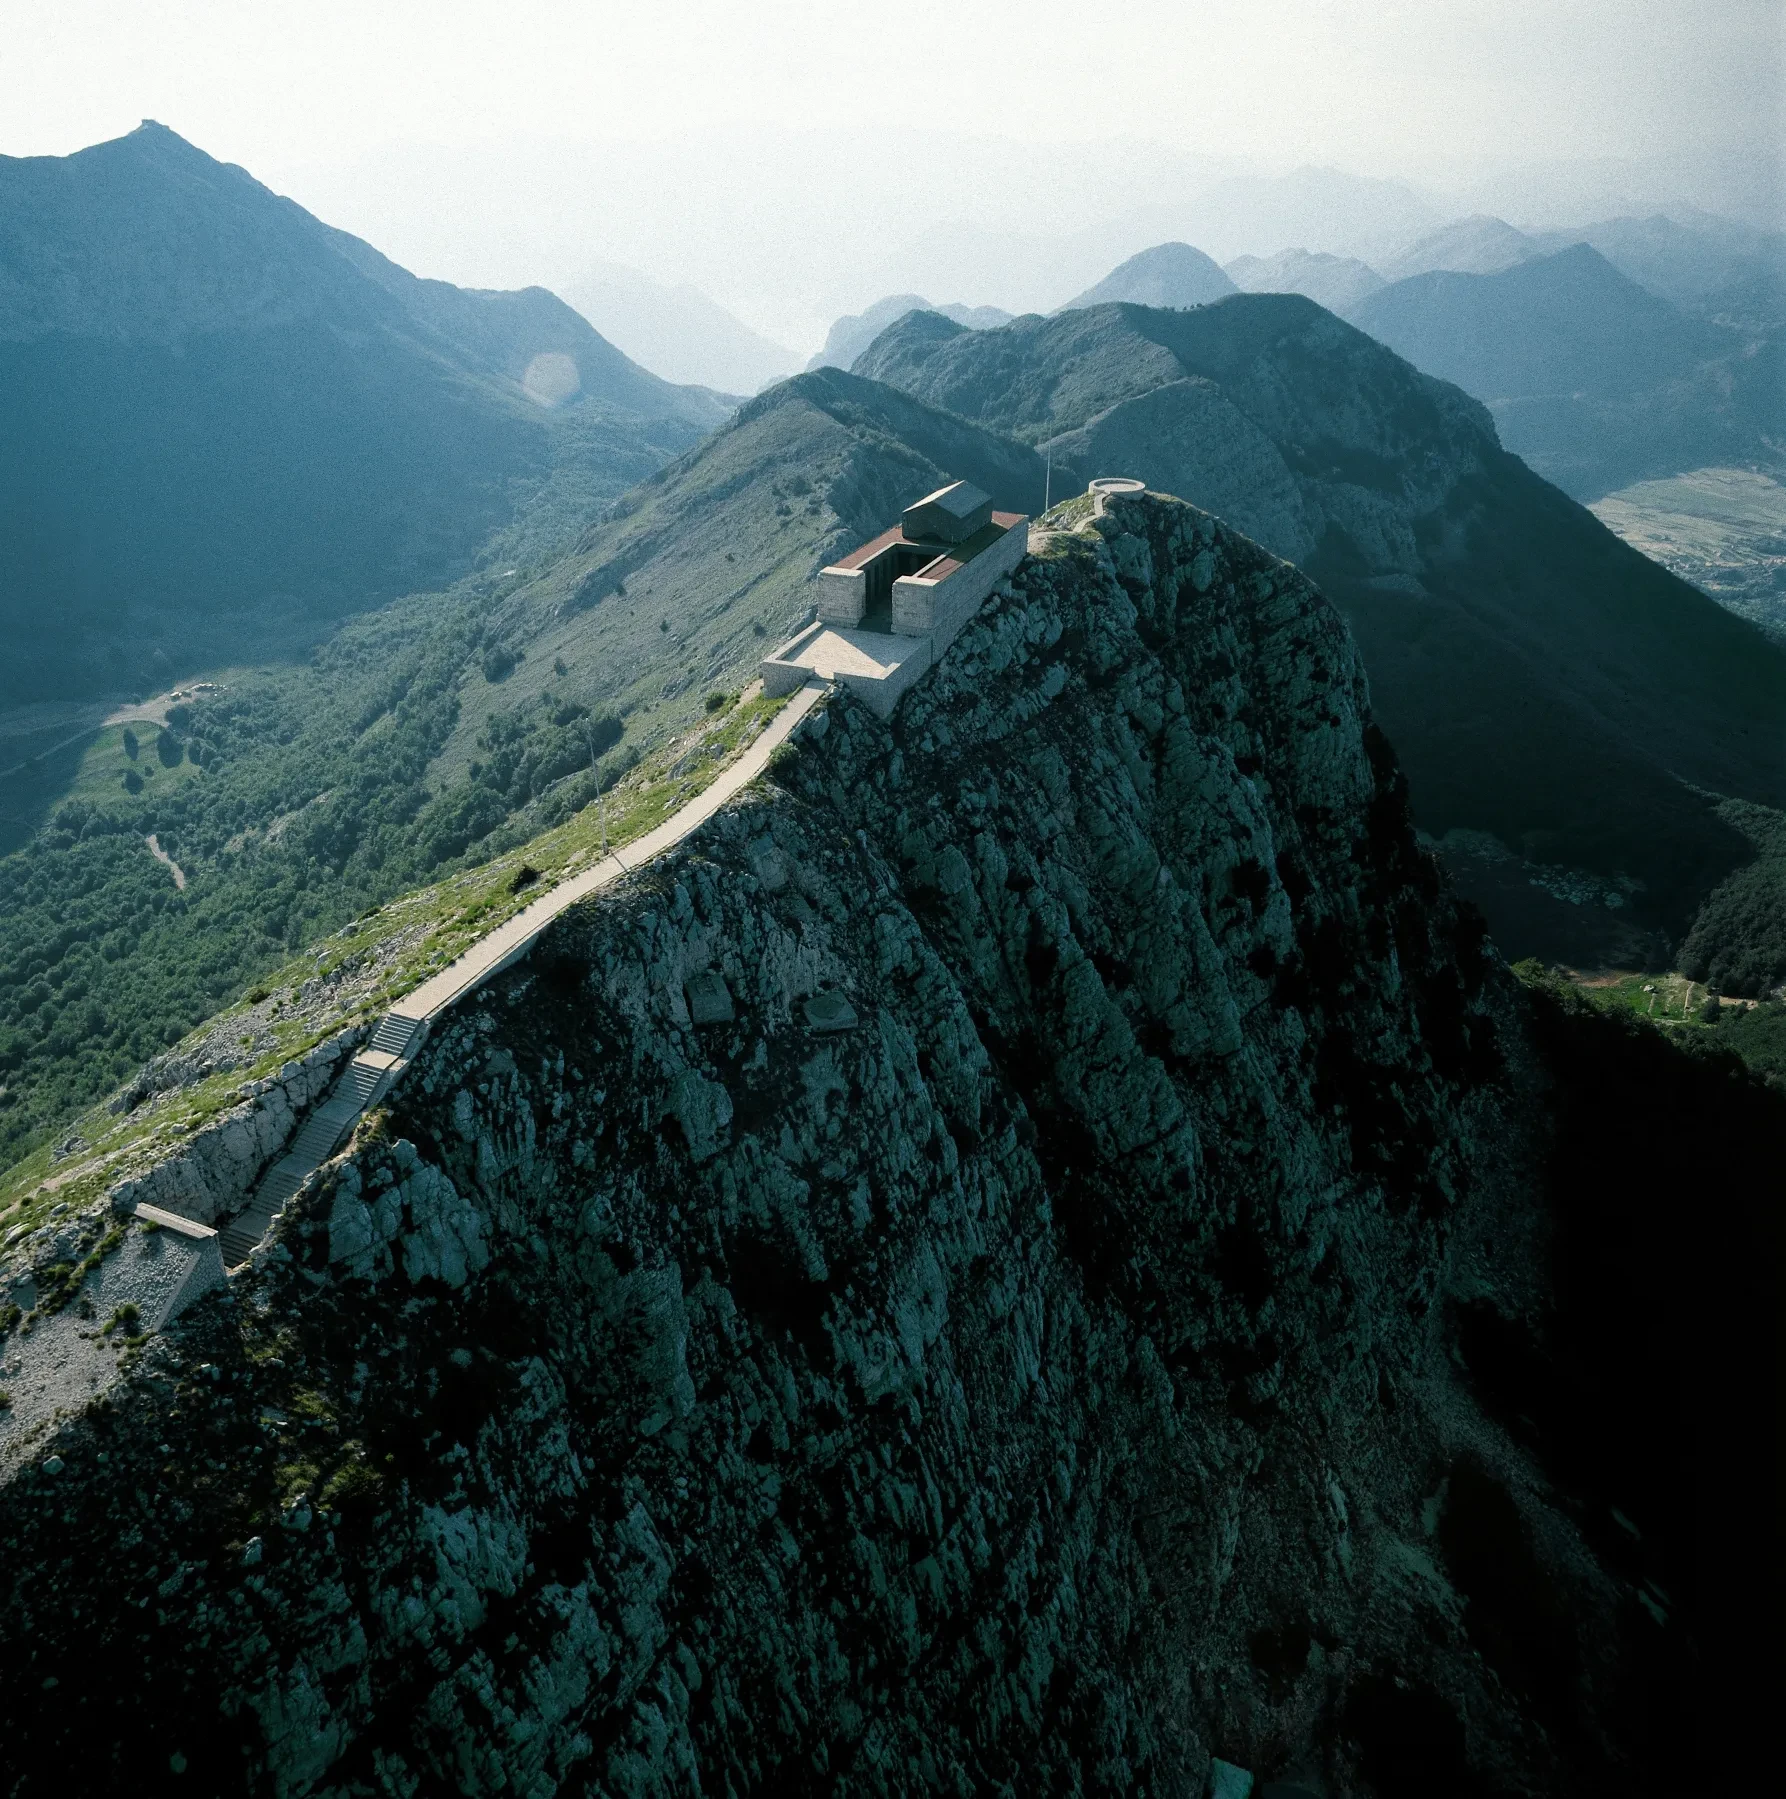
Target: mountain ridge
(1594,380)
(226,422)
(1067,1140)
(1479,594)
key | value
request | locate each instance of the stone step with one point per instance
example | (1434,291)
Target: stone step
(360,1081)
(392,1038)
(280,1183)
(242,1236)
(312,1144)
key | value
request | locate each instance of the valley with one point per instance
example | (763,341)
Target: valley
(1723,529)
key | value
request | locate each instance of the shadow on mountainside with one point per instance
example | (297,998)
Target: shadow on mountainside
(1651,1388)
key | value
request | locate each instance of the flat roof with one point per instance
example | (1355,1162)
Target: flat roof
(872,548)
(838,651)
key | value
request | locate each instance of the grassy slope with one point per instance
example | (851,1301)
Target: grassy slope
(1544,682)
(358,970)
(433,735)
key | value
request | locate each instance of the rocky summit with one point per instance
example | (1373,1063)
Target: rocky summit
(968,1276)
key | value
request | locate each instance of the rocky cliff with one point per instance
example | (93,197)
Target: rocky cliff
(949,1282)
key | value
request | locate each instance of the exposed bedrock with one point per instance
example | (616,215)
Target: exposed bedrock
(948,1283)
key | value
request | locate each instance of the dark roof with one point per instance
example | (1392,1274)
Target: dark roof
(956,555)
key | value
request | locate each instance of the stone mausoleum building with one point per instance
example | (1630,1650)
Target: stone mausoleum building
(887,611)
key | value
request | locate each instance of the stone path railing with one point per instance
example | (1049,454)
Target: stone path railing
(392,1046)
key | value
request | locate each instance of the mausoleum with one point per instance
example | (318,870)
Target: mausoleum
(889,609)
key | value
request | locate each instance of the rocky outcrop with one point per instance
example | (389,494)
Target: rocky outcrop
(948,1282)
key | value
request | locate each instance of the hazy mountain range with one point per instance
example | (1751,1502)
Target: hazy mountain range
(676,331)
(1335,282)
(853,333)
(1593,379)
(223,423)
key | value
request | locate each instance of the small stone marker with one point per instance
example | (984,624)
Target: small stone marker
(830,1012)
(709,999)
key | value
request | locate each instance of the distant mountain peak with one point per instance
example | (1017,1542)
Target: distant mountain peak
(1173,275)
(851,335)
(1336,282)
(1478,245)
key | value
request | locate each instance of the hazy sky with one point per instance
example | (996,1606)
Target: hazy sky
(423,124)
(1375,84)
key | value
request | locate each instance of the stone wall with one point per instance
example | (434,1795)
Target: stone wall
(938,609)
(215,1173)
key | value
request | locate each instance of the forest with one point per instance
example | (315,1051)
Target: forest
(290,801)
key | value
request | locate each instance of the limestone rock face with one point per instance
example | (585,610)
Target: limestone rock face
(1008,1351)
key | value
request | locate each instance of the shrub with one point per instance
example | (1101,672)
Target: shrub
(125,1317)
(355,1483)
(524,876)
(717,702)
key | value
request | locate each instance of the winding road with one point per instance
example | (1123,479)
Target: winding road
(163,857)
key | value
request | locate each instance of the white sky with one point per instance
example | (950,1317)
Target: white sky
(1374,84)
(350,106)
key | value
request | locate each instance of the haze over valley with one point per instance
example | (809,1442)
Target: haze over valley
(893,949)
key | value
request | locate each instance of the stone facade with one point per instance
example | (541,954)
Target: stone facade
(924,578)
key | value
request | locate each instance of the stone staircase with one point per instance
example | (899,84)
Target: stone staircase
(362,1084)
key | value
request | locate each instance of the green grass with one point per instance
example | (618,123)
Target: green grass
(1675,1005)
(160,766)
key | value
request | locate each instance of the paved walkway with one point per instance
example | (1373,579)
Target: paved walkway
(392,1046)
